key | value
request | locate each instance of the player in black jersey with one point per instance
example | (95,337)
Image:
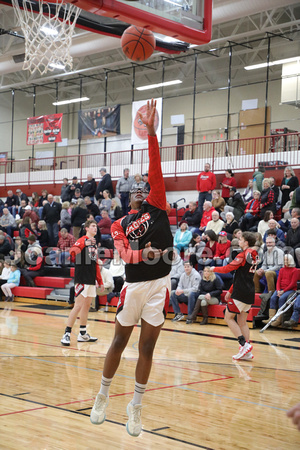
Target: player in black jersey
(241,294)
(144,241)
(87,273)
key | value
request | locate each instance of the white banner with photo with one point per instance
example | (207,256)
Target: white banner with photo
(139,133)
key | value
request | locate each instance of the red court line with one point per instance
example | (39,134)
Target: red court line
(24,410)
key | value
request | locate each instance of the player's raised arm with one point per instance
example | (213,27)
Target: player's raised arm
(157,196)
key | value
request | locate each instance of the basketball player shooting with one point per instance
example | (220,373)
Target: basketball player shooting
(241,294)
(144,241)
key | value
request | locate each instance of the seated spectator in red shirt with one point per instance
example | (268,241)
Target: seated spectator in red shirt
(105,225)
(208,209)
(61,255)
(252,210)
(192,217)
(32,214)
(222,252)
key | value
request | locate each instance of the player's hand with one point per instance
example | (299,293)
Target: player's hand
(294,414)
(148,119)
(227,296)
(152,253)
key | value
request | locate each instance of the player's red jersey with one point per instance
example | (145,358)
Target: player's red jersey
(151,224)
(87,270)
(244,264)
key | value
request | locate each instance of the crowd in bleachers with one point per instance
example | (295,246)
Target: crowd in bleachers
(41,230)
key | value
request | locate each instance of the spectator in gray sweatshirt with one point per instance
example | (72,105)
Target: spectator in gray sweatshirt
(177,270)
(122,190)
(188,283)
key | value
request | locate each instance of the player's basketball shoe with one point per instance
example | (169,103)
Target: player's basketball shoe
(134,424)
(243,351)
(86,338)
(98,411)
(247,357)
(66,339)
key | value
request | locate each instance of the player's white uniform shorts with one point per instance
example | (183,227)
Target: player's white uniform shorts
(147,300)
(87,290)
(236,306)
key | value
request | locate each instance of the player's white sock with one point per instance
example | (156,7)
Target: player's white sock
(139,391)
(105,385)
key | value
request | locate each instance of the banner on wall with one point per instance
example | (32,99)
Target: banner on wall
(44,129)
(99,122)
(139,133)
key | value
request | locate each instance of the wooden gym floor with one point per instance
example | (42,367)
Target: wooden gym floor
(196,397)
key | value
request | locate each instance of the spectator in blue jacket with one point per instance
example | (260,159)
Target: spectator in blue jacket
(182,237)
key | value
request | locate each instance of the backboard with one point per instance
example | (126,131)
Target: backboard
(186,20)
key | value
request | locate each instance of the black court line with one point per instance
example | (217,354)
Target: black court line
(107,420)
(162,428)
(22,393)
(191,333)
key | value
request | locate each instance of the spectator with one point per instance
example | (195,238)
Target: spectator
(78,217)
(115,211)
(42,234)
(19,245)
(105,225)
(235,205)
(247,195)
(192,217)
(217,201)
(188,283)
(272,263)
(177,269)
(278,242)
(138,183)
(11,203)
(25,229)
(206,183)
(230,224)
(19,259)
(77,196)
(182,237)
(208,209)
(227,183)
(209,250)
(65,216)
(108,284)
(34,262)
(61,255)
(64,195)
(92,207)
(273,225)
(43,198)
(104,183)
(22,196)
(252,210)
(145,180)
(296,198)
(34,203)
(51,215)
(267,199)
(71,188)
(6,270)
(216,224)
(209,293)
(258,177)
(288,184)
(222,252)
(276,190)
(12,282)
(263,225)
(32,214)
(106,201)
(285,286)
(294,320)
(21,209)
(196,247)
(89,187)
(293,238)
(285,223)
(7,222)
(122,190)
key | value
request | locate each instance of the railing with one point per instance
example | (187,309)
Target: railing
(242,155)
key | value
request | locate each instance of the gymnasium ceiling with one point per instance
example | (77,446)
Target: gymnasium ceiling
(94,55)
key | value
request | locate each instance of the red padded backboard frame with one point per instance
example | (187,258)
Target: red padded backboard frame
(135,16)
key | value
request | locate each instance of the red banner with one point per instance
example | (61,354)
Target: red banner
(44,129)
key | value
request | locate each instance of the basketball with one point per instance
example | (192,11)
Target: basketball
(140,128)
(138,44)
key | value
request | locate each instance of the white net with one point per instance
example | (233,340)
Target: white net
(48,34)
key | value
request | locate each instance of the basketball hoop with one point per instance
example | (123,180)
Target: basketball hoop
(48,29)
